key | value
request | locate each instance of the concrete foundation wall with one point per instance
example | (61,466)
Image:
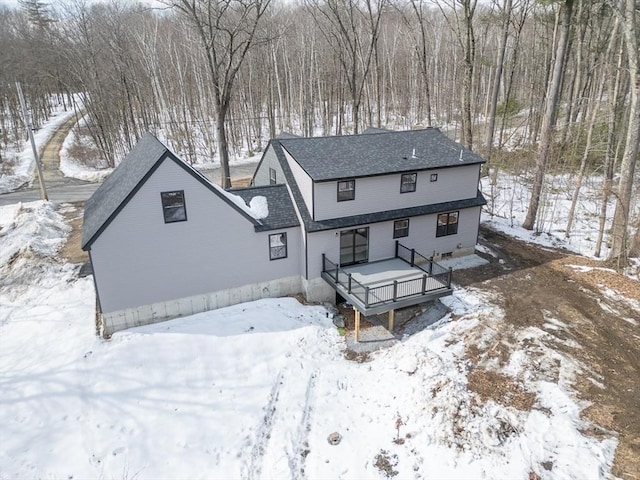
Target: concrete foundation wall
(317,290)
(161,311)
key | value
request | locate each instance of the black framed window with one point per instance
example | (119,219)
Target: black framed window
(346,190)
(401,228)
(173,206)
(434,177)
(447,224)
(273,178)
(408,182)
(277,246)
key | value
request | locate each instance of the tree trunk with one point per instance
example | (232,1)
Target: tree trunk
(506,11)
(546,136)
(467,82)
(609,159)
(619,233)
(593,105)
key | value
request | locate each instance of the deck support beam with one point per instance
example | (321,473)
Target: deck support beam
(357,328)
(392,317)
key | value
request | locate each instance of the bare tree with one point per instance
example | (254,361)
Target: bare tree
(227,30)
(459,15)
(506,20)
(621,218)
(351,27)
(548,123)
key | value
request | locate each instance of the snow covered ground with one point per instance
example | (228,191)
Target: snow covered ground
(71,168)
(509,207)
(254,390)
(24,163)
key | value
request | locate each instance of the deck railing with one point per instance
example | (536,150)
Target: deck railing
(427,265)
(435,277)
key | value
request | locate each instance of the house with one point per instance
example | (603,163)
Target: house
(365,217)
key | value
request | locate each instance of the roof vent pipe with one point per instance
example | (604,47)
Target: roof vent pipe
(460,155)
(413,155)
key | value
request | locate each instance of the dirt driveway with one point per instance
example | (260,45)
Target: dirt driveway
(587,313)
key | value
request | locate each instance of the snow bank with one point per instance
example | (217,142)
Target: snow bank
(31,234)
(70,168)
(24,161)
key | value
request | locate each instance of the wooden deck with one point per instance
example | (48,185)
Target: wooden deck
(385,285)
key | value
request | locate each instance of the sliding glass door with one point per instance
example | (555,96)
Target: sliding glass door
(354,246)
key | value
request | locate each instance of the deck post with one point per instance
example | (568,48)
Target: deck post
(337,277)
(431,267)
(449,277)
(395,290)
(413,254)
(397,248)
(349,280)
(357,327)
(424,284)
(392,316)
(366,297)
(323,263)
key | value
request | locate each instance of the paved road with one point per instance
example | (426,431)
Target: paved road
(63,189)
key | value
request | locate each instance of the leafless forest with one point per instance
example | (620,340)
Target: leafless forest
(535,86)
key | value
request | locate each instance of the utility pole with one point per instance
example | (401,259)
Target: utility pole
(29,124)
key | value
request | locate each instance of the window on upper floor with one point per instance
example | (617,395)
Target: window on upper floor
(401,228)
(277,246)
(408,182)
(346,190)
(173,206)
(447,224)
(434,177)
(273,177)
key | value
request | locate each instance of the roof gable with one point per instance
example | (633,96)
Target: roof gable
(119,186)
(377,152)
(128,177)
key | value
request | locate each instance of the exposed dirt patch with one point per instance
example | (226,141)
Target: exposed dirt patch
(72,250)
(241,182)
(543,288)
(50,155)
(500,388)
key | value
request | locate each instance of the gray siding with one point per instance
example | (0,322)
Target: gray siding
(140,260)
(305,184)
(269,160)
(382,193)
(422,237)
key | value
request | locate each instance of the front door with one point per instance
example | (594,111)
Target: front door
(354,246)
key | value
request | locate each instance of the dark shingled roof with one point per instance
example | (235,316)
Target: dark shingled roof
(376,153)
(311,225)
(120,184)
(281,211)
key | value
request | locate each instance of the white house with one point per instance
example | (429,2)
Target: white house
(363,216)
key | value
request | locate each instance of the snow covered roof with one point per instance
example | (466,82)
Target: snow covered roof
(280,210)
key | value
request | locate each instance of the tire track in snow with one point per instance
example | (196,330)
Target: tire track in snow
(301,441)
(263,433)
